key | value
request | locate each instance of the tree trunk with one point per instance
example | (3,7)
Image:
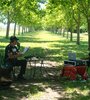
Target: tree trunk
(88,21)
(22,30)
(8,25)
(63,33)
(25,30)
(14,29)
(78,30)
(67,34)
(78,34)
(71,37)
(18,30)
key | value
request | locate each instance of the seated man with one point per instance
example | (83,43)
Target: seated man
(11,56)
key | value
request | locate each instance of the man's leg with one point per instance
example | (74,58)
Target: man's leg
(22,64)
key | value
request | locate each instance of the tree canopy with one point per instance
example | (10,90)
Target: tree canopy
(53,15)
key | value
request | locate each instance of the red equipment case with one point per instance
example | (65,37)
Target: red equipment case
(71,71)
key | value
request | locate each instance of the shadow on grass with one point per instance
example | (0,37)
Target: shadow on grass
(2,48)
(67,89)
(3,39)
(50,78)
(20,90)
(30,87)
(75,90)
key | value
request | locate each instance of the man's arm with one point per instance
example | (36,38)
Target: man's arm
(18,45)
(11,55)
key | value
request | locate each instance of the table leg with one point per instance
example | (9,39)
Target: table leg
(34,72)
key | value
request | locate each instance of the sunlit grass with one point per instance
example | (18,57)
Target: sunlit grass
(3,32)
(84,92)
(84,37)
(45,35)
(43,43)
(35,96)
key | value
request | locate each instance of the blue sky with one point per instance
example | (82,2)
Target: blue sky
(42,6)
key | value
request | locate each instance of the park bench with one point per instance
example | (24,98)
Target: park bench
(4,80)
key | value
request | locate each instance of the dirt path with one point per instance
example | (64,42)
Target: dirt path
(52,90)
(55,93)
(45,86)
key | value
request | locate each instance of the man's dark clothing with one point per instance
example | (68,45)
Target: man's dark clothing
(14,61)
(10,49)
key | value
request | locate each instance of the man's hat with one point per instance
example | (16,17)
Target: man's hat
(12,38)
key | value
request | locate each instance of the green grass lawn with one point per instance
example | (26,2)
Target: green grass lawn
(55,48)
(46,44)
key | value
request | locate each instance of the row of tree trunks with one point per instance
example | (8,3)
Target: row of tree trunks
(24,29)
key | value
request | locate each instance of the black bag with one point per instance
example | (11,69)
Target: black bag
(5,85)
(5,73)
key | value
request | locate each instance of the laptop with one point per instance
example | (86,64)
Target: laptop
(74,61)
(71,56)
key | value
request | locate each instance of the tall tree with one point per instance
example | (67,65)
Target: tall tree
(84,8)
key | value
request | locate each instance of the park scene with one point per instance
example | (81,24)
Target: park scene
(36,38)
